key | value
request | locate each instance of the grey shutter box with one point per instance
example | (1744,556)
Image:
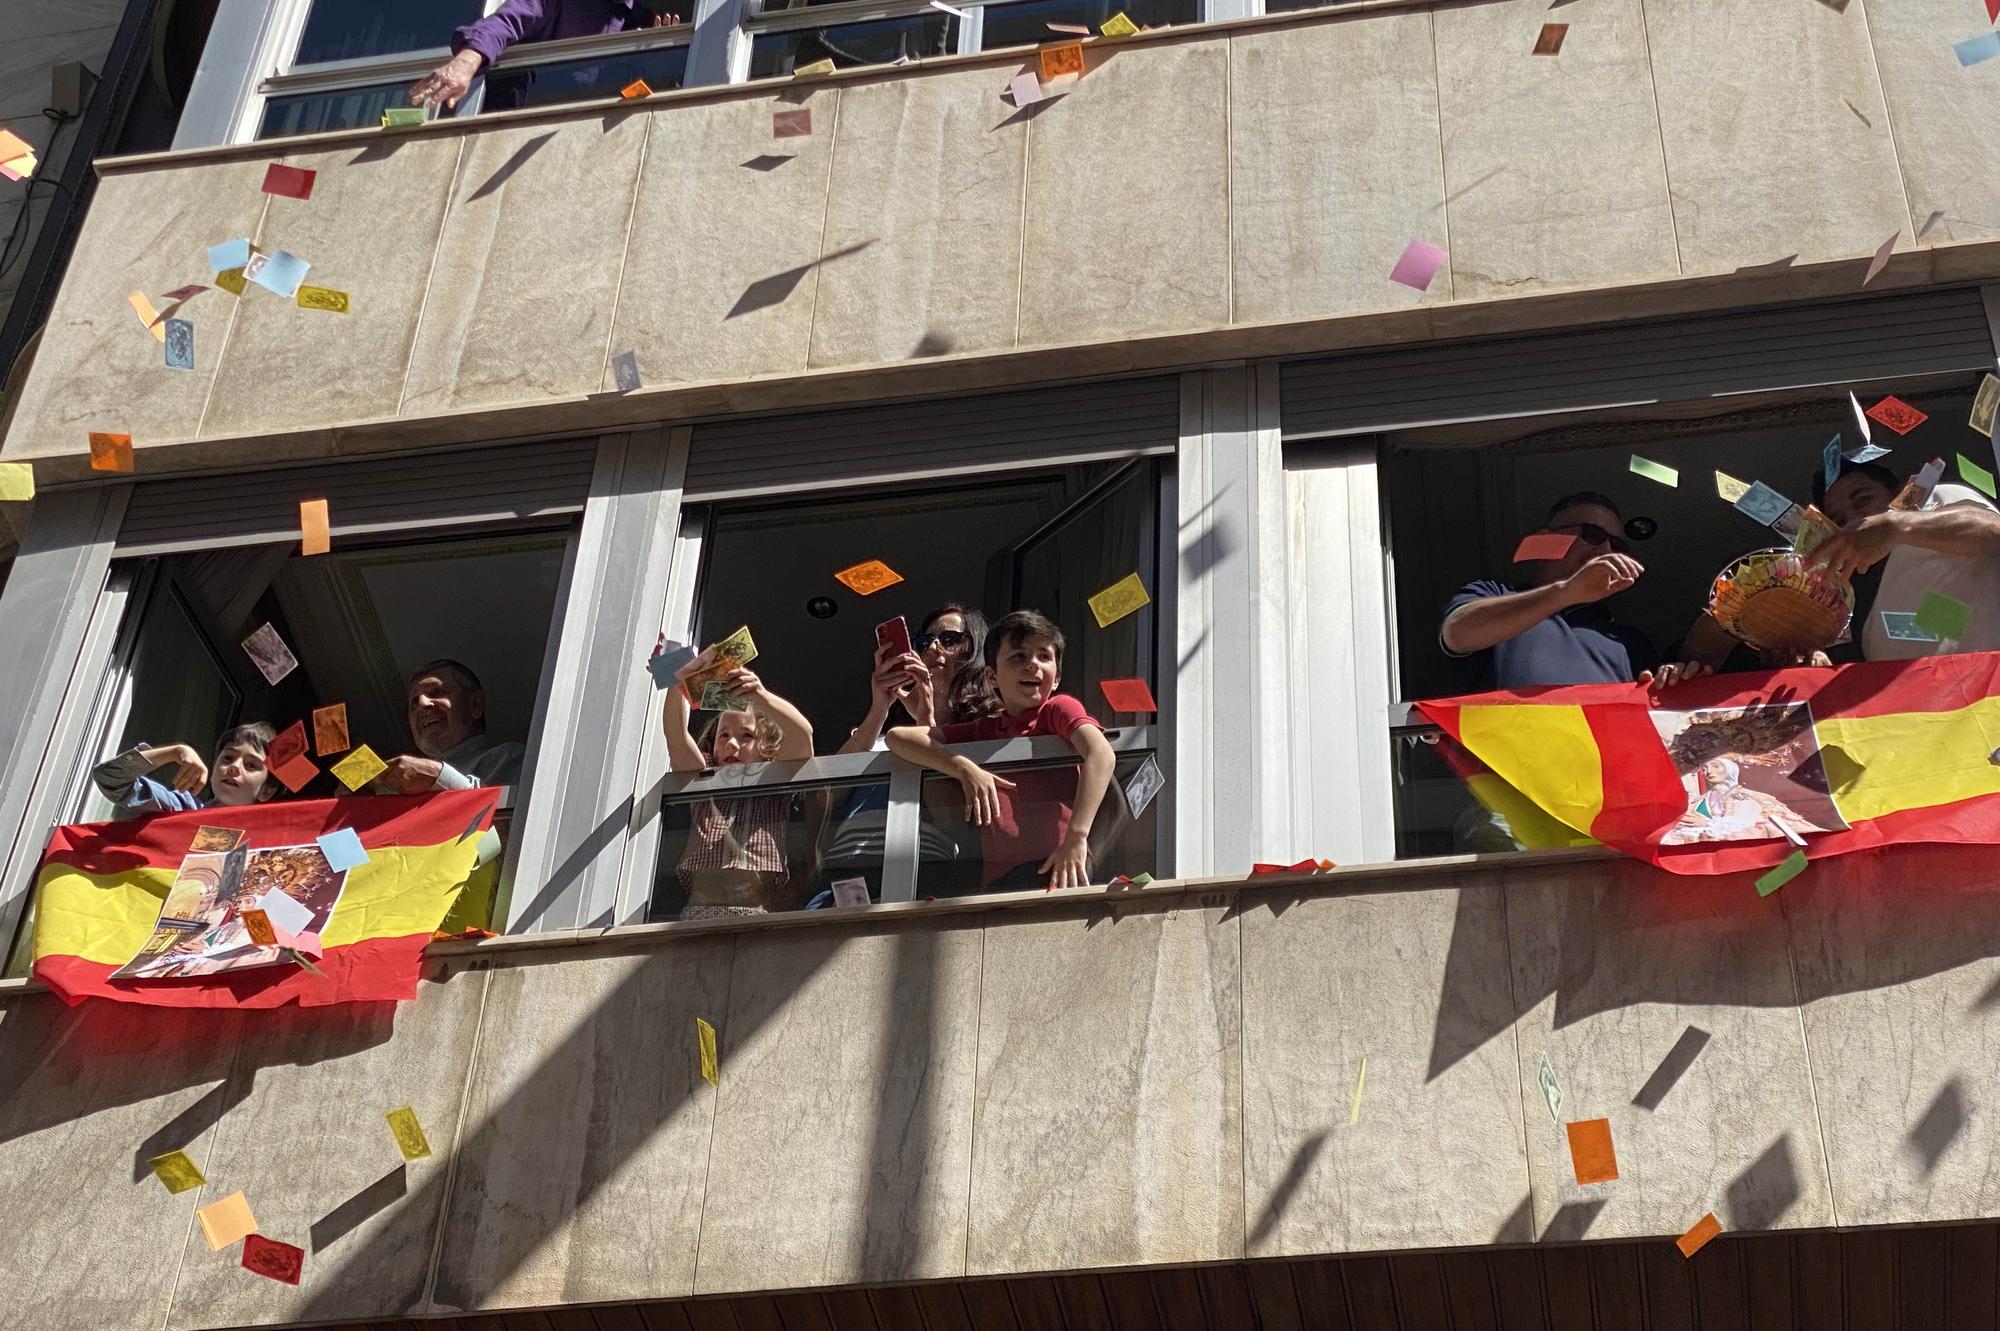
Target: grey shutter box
(1613,365)
(418,493)
(1119,418)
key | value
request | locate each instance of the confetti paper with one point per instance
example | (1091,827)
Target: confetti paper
(1654,471)
(358,768)
(1118,25)
(1946,616)
(1024,89)
(403,117)
(1977,50)
(636,89)
(315,536)
(1794,865)
(1077,28)
(281,272)
(1881,259)
(330,729)
(705,1040)
(1763,503)
(1590,1151)
(177,1171)
(232,281)
(849,892)
(1118,600)
(796,124)
(1902,626)
(1360,1081)
(409,1133)
(269,654)
(1128,695)
(343,849)
(1829,461)
(179,339)
(13,146)
(816,68)
(208,839)
(666,663)
(1146,783)
(284,911)
(1550,39)
(148,316)
(1729,488)
(1699,1234)
(1061,60)
(229,254)
(1543,545)
(1976,476)
(110,452)
(323,298)
(17,481)
(1897,414)
(291,182)
(1983,404)
(952,10)
(296,773)
(1552,1094)
(867,578)
(1867,453)
(625,371)
(269,1258)
(287,744)
(257,923)
(1419,264)
(224,1222)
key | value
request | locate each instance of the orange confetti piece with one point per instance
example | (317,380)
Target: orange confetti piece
(148,315)
(1703,1230)
(315,534)
(110,452)
(637,88)
(868,578)
(1590,1151)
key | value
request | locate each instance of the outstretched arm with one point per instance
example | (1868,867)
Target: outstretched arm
(683,754)
(1068,865)
(1966,530)
(926,748)
(1477,625)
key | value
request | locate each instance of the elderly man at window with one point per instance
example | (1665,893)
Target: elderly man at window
(447,712)
(479,43)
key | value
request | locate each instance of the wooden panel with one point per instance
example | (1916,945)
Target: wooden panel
(1035,1306)
(1468,1289)
(943,1307)
(1371,1293)
(1767,1272)
(987,1305)
(1517,1291)
(1082,1303)
(1129,1297)
(1920,1280)
(1566,1279)
(1178,1299)
(1419,1289)
(803,1312)
(1669,1287)
(1972,1284)
(1322,1291)
(896,1309)
(1718,1287)
(847,1310)
(1869,1278)
(1818,1282)
(1273,1300)
(1615,1288)
(1225,1296)
(666,1317)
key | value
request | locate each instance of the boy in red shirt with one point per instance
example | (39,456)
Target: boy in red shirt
(1025,822)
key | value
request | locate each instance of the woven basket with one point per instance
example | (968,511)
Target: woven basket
(1774,601)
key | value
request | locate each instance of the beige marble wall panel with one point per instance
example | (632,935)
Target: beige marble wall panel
(1421,990)
(527,269)
(1898,961)
(1333,165)
(1933,102)
(1128,207)
(1614,964)
(1107,1122)
(1762,159)
(925,210)
(725,251)
(843,1131)
(308,1145)
(96,367)
(1552,163)
(586,1135)
(93,1239)
(370,229)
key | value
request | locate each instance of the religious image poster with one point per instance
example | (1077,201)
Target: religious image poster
(201,929)
(1751,774)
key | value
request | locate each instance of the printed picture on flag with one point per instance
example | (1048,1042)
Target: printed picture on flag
(1750,773)
(201,931)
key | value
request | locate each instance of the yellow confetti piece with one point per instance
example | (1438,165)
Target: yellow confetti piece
(358,768)
(1118,600)
(817,67)
(17,481)
(1729,488)
(409,1133)
(148,316)
(232,281)
(1354,1110)
(177,1171)
(705,1037)
(1119,26)
(323,298)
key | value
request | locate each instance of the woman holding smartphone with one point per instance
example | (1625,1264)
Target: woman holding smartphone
(944,672)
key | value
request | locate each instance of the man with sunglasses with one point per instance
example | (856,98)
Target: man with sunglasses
(1555,630)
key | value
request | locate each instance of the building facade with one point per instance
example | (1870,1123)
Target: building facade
(612,372)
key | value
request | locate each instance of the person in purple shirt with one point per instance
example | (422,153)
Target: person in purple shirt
(479,44)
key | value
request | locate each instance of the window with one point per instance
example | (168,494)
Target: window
(783,834)
(928,32)
(1460,498)
(1026,22)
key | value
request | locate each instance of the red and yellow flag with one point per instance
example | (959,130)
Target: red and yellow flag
(107,893)
(1905,751)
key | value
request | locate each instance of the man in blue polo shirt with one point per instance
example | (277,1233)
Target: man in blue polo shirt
(1555,629)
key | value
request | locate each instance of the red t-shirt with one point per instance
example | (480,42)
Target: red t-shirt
(1034,816)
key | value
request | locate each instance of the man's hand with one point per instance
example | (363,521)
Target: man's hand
(896,674)
(1601,577)
(193,774)
(982,792)
(448,82)
(1674,672)
(1069,864)
(1860,545)
(410,775)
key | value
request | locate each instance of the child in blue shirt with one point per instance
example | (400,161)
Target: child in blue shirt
(240,777)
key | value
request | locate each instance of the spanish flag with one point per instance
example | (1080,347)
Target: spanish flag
(1899,751)
(152,910)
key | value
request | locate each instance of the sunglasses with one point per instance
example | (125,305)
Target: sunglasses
(949,639)
(1592,534)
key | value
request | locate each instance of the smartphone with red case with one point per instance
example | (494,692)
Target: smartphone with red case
(894,635)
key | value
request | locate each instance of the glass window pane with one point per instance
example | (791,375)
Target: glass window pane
(581,80)
(1449,803)
(310,113)
(759,852)
(1027,23)
(347,29)
(775,54)
(955,858)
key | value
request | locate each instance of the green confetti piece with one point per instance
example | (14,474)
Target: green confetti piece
(1942,615)
(1976,476)
(1655,471)
(402,117)
(1793,866)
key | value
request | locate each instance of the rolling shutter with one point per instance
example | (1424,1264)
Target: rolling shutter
(425,492)
(944,437)
(1615,365)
